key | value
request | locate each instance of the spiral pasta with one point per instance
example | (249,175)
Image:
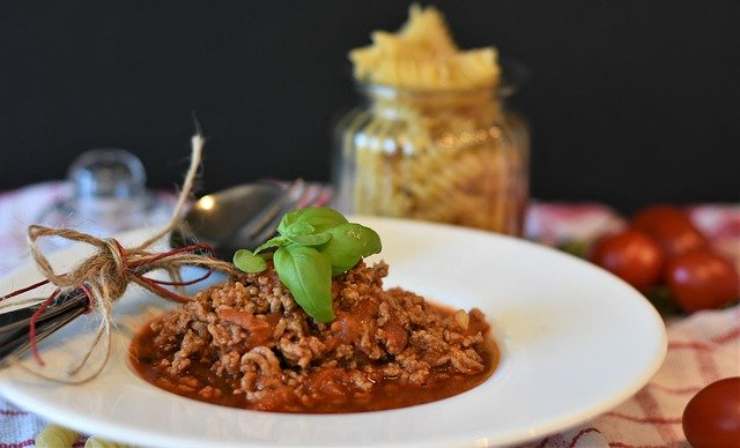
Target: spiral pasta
(55,436)
(423,55)
(434,144)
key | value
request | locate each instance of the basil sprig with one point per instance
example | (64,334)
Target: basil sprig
(313,245)
(249,262)
(307,274)
(348,244)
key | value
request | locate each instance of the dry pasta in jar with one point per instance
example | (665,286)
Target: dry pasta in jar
(432,141)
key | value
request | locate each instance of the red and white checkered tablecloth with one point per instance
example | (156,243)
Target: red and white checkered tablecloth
(702,348)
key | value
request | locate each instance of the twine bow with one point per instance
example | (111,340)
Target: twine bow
(105,275)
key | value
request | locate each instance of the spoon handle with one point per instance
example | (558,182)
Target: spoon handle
(15,324)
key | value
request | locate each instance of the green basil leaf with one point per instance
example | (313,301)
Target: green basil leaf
(350,243)
(277,241)
(321,218)
(248,262)
(307,274)
(315,239)
(287,220)
(300,228)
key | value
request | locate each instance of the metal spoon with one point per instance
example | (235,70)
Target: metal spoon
(244,216)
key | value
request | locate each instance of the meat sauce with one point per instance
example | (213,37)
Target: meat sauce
(246,344)
(326,383)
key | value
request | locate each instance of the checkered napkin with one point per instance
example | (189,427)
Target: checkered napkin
(702,348)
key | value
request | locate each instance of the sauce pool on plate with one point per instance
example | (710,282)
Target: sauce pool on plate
(245,344)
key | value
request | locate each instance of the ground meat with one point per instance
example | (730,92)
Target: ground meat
(247,340)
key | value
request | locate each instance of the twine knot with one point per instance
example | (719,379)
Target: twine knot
(118,255)
(105,275)
(106,271)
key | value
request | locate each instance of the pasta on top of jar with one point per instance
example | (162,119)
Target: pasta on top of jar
(433,139)
(423,55)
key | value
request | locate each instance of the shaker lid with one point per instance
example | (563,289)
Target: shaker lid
(107,173)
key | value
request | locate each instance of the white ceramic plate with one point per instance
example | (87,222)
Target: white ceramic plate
(576,342)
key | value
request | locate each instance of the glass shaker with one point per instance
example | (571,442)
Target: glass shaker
(108,195)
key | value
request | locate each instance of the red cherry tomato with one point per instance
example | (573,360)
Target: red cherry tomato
(701,280)
(632,256)
(671,228)
(712,417)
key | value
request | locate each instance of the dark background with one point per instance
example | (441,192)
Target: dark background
(630,102)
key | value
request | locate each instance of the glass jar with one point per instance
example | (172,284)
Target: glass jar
(457,157)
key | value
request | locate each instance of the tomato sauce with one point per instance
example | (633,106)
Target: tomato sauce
(331,388)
